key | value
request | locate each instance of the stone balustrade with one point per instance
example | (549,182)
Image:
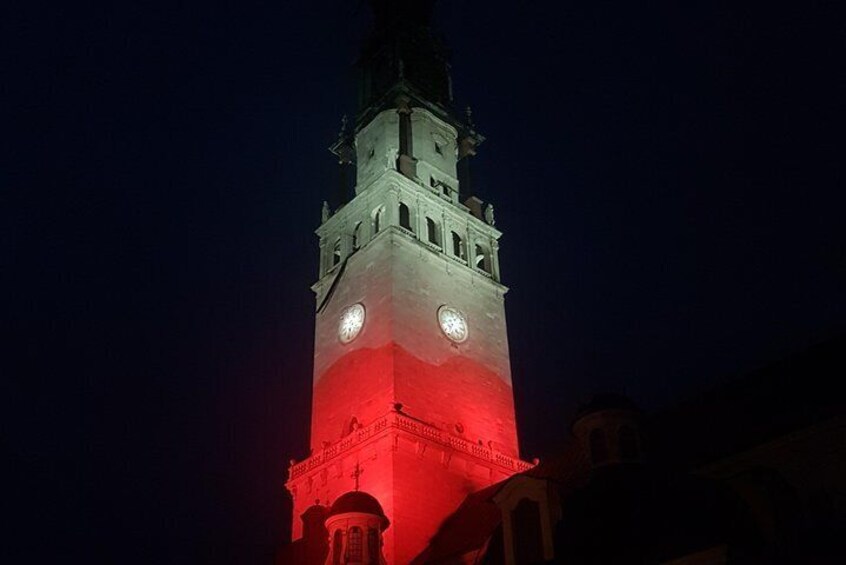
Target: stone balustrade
(399,421)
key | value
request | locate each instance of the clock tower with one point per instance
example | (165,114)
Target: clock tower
(412,400)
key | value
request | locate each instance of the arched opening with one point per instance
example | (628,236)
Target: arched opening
(483,259)
(373,549)
(378,219)
(405,216)
(598,447)
(354,544)
(526,527)
(627,438)
(458,246)
(336,252)
(433,233)
(337,547)
(357,235)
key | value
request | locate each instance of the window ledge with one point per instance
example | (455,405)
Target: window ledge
(457,259)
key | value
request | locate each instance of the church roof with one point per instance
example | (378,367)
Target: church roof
(475,523)
(467,529)
(789,395)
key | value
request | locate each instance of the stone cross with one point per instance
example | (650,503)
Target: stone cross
(356,475)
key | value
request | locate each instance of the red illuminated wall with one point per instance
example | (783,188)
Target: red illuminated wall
(359,385)
(365,384)
(418,482)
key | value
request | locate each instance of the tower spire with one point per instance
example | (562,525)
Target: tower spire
(402,55)
(344,150)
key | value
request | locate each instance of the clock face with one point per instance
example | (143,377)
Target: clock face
(351,322)
(453,323)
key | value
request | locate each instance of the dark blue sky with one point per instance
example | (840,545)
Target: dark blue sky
(667,178)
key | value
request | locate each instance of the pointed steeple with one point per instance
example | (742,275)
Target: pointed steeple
(402,54)
(344,149)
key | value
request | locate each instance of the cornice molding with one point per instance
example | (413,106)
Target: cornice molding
(394,422)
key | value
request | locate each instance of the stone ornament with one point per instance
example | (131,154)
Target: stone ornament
(489,215)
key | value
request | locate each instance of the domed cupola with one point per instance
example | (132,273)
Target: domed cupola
(608,427)
(355,523)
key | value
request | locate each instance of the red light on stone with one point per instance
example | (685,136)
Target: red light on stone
(424,436)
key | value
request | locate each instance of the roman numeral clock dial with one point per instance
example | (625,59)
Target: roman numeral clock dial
(453,323)
(351,322)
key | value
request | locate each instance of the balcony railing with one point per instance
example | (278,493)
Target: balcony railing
(399,421)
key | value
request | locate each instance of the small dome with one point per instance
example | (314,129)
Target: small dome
(315,512)
(358,501)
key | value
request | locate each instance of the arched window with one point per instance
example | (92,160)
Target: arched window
(357,234)
(433,233)
(337,547)
(405,216)
(378,219)
(457,246)
(354,544)
(483,260)
(336,252)
(526,527)
(627,438)
(598,447)
(373,549)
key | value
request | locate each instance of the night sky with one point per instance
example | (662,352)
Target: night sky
(667,177)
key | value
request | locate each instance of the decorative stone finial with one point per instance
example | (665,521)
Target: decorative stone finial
(356,475)
(324,213)
(489,215)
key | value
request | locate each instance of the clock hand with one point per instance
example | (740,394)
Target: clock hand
(332,287)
